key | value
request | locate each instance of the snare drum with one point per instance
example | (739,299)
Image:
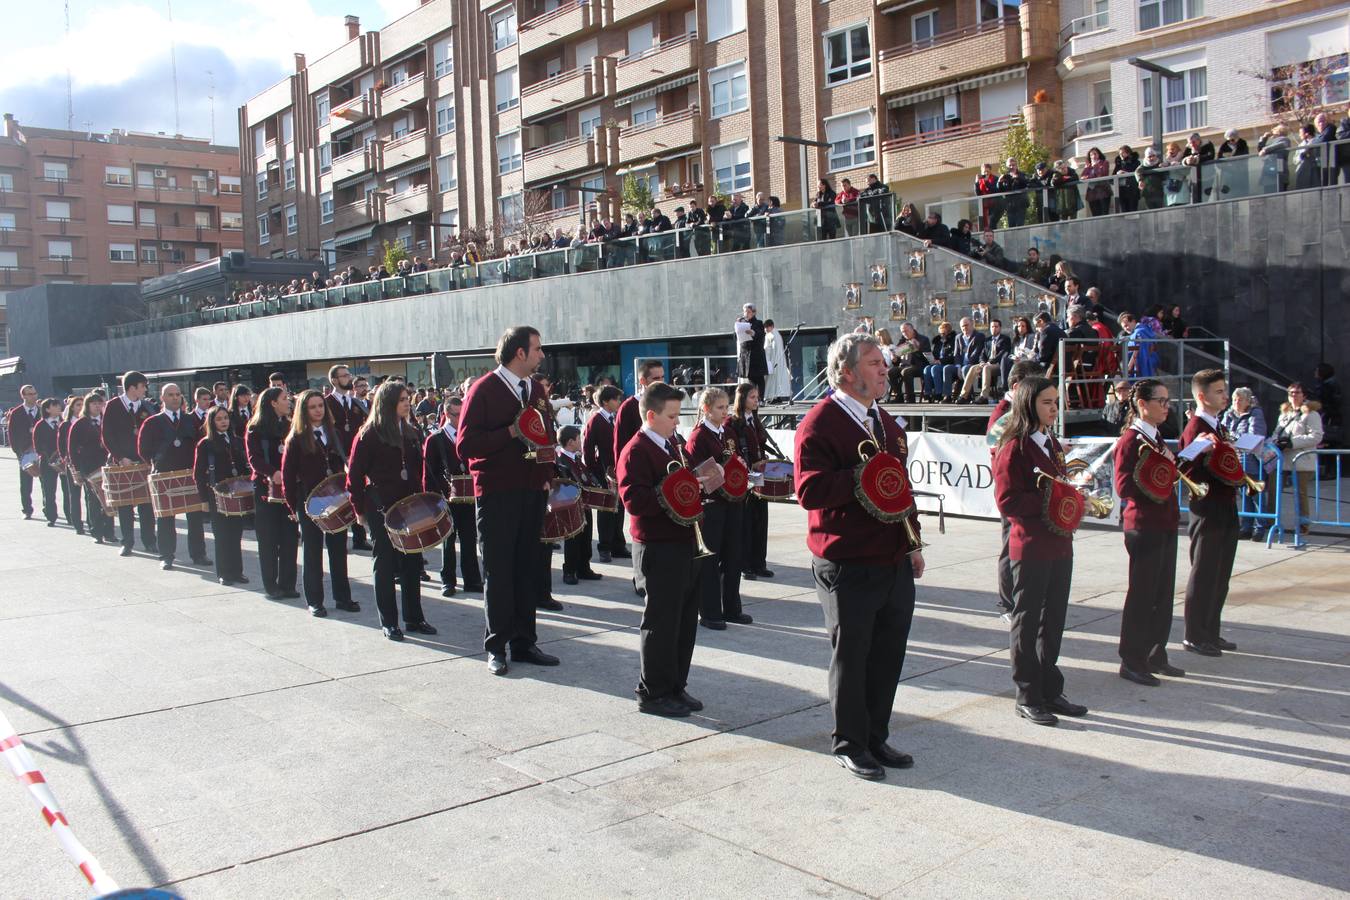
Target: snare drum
(125,486)
(599,499)
(30,464)
(565,517)
(417,522)
(778,482)
(461,488)
(175,494)
(234,496)
(94,481)
(330,506)
(275,493)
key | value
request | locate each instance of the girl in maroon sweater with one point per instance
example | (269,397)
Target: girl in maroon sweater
(70,492)
(274,528)
(720,576)
(312,453)
(1042,559)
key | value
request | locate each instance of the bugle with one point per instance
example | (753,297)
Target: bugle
(1197,488)
(700,546)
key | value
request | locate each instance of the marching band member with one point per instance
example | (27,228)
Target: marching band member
(543,558)
(122,418)
(204,402)
(753,444)
(627,422)
(597,451)
(864,567)
(221,456)
(442,462)
(220,392)
(70,491)
(44,438)
(313,451)
(1042,557)
(512,492)
(19,423)
(276,533)
(993,430)
(577,548)
(1145,481)
(719,575)
(384,467)
(168,440)
(664,554)
(241,410)
(87,457)
(348,415)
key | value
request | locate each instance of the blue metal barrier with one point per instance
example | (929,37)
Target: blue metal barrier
(1254,511)
(1315,501)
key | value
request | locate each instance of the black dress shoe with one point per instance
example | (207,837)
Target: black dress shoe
(1137,677)
(290,595)
(641,592)
(1170,671)
(714,624)
(420,628)
(1066,707)
(425,576)
(1038,715)
(348,606)
(448,591)
(272,595)
(588,575)
(605,557)
(318,612)
(393,634)
(166,565)
(534,655)
(497,664)
(242,579)
(1224,645)
(861,765)
(569,578)
(892,758)
(549,604)
(669,707)
(126,551)
(152,549)
(765,573)
(226,582)
(1204,648)
(476,588)
(621,554)
(750,576)
(741,619)
(28,515)
(201,561)
(694,704)
(51,524)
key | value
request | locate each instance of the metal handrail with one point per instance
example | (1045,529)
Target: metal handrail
(683,115)
(969,129)
(948,37)
(677,41)
(1300,521)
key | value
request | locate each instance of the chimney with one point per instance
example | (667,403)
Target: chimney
(299,62)
(11,125)
(353,27)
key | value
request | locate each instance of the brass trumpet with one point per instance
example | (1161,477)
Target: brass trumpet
(1098,507)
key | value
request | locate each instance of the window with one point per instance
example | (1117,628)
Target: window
(848,55)
(725,17)
(585,53)
(447,173)
(450,219)
(1185,105)
(201,219)
(201,254)
(923,26)
(1156,13)
(325,158)
(445,115)
(231,221)
(145,177)
(229,184)
(262,185)
(287,127)
(504,29)
(852,140)
(200,183)
(397,75)
(60,250)
(929,116)
(6,181)
(731,167)
(589,120)
(9,259)
(121,215)
(511,210)
(642,112)
(326,207)
(117,175)
(259,140)
(263,236)
(444,58)
(321,108)
(149,254)
(59,211)
(990,10)
(7,221)
(328,253)
(640,39)
(508,152)
(400,129)
(292,220)
(729,89)
(507,90)
(55,171)
(289,169)
(146,215)
(122,253)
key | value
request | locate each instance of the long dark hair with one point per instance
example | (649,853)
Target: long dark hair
(383,419)
(208,424)
(1023,419)
(301,429)
(238,389)
(742,396)
(264,416)
(1144,390)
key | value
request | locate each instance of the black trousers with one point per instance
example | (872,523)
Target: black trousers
(358,535)
(314,540)
(670,617)
(466,532)
(166,536)
(868,611)
(1146,621)
(577,549)
(126,520)
(70,501)
(754,534)
(26,492)
(720,575)
(391,565)
(609,532)
(227,534)
(1040,605)
(100,523)
(277,542)
(509,523)
(1214,541)
(1005,570)
(47,479)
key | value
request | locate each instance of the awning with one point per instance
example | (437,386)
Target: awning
(420,165)
(356,234)
(643,94)
(681,155)
(914,97)
(11,365)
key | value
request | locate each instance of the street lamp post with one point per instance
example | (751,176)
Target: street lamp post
(802,144)
(1159,73)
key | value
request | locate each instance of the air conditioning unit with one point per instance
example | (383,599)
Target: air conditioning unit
(161,173)
(166,245)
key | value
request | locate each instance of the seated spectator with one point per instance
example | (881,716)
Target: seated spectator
(944,358)
(997,347)
(962,238)
(908,361)
(1060,276)
(1048,336)
(988,251)
(909,221)
(934,232)
(1023,345)
(1033,269)
(1117,406)
(1013,184)
(1080,330)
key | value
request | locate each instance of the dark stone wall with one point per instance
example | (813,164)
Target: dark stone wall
(51,315)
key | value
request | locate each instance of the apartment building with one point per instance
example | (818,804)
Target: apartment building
(1234,57)
(519,116)
(86,208)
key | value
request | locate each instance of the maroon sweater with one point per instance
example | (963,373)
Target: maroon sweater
(1001,407)
(642,466)
(63,438)
(43,438)
(839,529)
(496,459)
(302,471)
(704,444)
(216,461)
(86,446)
(120,429)
(347,424)
(597,446)
(378,466)
(627,422)
(264,454)
(155,442)
(1021,499)
(1137,511)
(19,426)
(1222,498)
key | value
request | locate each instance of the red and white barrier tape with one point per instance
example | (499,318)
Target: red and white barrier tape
(25,769)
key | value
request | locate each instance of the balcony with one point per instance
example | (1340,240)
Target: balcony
(62,267)
(558,92)
(666,134)
(354,110)
(353,215)
(949,150)
(669,58)
(16,276)
(627,9)
(405,149)
(69,227)
(269,155)
(13,200)
(189,196)
(351,164)
(412,202)
(951,55)
(392,99)
(570,19)
(58,187)
(12,238)
(543,163)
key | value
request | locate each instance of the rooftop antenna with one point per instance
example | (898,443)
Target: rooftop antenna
(173,62)
(70,90)
(211,96)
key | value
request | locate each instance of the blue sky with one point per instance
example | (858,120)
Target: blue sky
(118,52)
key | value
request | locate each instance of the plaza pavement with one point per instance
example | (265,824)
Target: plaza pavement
(230,746)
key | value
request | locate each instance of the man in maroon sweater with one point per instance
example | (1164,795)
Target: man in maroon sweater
(629,418)
(122,418)
(597,453)
(19,423)
(864,568)
(512,492)
(663,552)
(168,441)
(992,431)
(1213,523)
(348,416)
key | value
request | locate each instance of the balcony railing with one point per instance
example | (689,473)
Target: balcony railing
(1082,25)
(1087,127)
(397,96)
(556,159)
(665,133)
(556,91)
(407,148)
(412,202)
(61,187)
(949,37)
(570,18)
(352,111)
(984,126)
(656,62)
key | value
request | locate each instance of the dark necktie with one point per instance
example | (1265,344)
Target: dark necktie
(877,430)
(524,393)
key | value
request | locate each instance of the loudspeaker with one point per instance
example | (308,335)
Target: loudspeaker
(440,371)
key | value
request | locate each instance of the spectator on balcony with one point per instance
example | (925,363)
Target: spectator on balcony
(1060,275)
(759,221)
(1048,336)
(1033,269)
(419,264)
(1063,181)
(1196,155)
(1038,184)
(962,238)
(472,255)
(560,241)
(1127,188)
(909,221)
(1152,180)
(1232,177)
(944,358)
(1014,184)
(776,223)
(630,226)
(908,362)
(986,185)
(1233,145)
(1174,188)
(1099,192)
(702,236)
(1308,160)
(717,209)
(824,202)
(1273,148)
(934,232)
(876,206)
(989,252)
(847,201)
(737,227)
(657,221)
(1342,151)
